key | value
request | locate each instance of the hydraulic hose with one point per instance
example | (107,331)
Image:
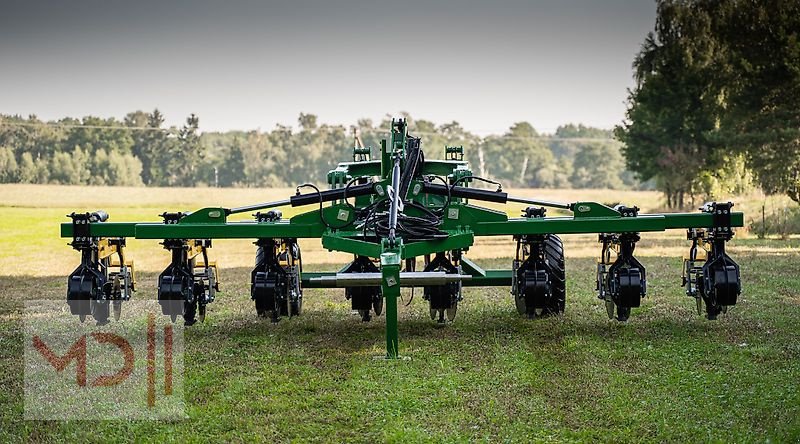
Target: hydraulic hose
(394,206)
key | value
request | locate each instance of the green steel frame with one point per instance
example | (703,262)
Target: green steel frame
(462,220)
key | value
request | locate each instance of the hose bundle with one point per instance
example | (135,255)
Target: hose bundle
(424,227)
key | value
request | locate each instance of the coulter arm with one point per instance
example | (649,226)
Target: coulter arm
(190,281)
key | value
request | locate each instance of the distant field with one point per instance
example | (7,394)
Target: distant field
(667,375)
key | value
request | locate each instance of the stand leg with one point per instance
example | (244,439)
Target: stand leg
(390,286)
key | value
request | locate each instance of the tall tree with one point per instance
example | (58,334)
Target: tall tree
(676,101)
(716,81)
(598,165)
(8,165)
(521,158)
(185,154)
(149,145)
(232,170)
(762,114)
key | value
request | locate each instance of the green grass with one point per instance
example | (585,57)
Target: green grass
(667,375)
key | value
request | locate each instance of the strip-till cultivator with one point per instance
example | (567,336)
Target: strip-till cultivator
(408,222)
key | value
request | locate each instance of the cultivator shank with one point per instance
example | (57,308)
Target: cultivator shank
(391,212)
(189,282)
(709,274)
(538,274)
(443,297)
(275,281)
(104,278)
(363,297)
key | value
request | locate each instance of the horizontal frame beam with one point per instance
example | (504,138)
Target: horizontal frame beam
(516,226)
(491,278)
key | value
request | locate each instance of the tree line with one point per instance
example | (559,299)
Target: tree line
(95,151)
(138,150)
(715,106)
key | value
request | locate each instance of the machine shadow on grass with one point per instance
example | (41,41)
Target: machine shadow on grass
(486,317)
(327,326)
(348,334)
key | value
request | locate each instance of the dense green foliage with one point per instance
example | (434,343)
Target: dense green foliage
(140,151)
(718,83)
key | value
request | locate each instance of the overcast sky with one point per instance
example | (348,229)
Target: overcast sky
(253,64)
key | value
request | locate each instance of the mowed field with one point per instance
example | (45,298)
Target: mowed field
(667,375)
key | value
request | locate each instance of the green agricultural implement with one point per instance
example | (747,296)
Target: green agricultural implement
(393,213)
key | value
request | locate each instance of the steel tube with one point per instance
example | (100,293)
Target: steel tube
(544,203)
(395,204)
(465,192)
(261,206)
(407,279)
(330,195)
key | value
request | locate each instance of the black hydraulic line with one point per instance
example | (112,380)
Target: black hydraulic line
(330,195)
(488,195)
(261,206)
(413,160)
(544,203)
(309,198)
(469,193)
(366,189)
(394,206)
(468,178)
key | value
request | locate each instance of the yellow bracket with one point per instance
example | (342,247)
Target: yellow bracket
(129,264)
(104,249)
(702,252)
(195,250)
(212,265)
(113,253)
(612,248)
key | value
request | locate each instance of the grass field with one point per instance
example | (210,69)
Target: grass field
(667,375)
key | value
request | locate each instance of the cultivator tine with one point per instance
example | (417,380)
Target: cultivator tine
(709,274)
(104,279)
(121,276)
(187,285)
(622,283)
(538,277)
(264,281)
(275,284)
(363,299)
(443,299)
(692,275)
(207,275)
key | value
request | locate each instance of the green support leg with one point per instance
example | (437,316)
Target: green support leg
(390,287)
